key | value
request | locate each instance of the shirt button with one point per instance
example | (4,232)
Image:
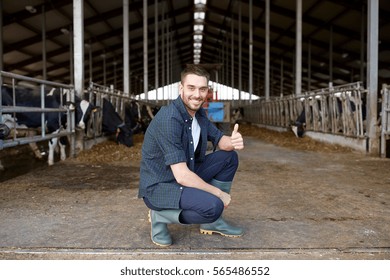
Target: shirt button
(191,142)
(181,188)
(189,128)
(192,158)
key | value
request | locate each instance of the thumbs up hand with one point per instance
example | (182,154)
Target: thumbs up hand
(236,139)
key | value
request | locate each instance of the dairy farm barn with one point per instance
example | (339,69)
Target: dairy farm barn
(305,80)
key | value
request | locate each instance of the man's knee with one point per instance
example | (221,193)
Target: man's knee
(214,211)
(234,157)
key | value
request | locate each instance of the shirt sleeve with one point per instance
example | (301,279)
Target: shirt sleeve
(170,133)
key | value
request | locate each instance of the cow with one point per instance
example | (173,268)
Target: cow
(298,127)
(55,122)
(237,115)
(112,123)
(138,117)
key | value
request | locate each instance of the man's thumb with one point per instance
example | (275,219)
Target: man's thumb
(235,130)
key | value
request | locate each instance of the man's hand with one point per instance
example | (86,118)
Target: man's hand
(236,139)
(225,197)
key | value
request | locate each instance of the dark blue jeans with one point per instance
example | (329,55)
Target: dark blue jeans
(200,207)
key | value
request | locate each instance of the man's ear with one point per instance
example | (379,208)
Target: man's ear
(181,88)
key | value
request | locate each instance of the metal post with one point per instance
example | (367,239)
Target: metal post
(362,44)
(104,69)
(309,66)
(239,52)
(1,39)
(250,51)
(156,46)
(114,64)
(163,53)
(145,11)
(90,62)
(267,47)
(42,113)
(71,51)
(126,50)
(331,57)
(281,77)
(78,37)
(298,50)
(232,58)
(44,74)
(372,76)
(167,64)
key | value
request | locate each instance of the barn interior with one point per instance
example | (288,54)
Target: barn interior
(307,199)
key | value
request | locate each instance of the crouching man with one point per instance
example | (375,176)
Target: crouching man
(179,183)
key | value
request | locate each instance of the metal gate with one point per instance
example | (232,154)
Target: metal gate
(14,81)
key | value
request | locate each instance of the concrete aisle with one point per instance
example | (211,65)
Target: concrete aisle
(292,205)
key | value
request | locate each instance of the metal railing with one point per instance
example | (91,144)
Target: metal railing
(96,93)
(385,119)
(336,110)
(117,98)
(15,81)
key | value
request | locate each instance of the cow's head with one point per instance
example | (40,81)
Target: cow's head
(84,109)
(4,131)
(124,136)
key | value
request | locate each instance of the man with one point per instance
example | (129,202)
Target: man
(178,181)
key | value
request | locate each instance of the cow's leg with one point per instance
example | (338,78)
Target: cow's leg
(33,145)
(1,166)
(52,146)
(62,145)
(35,149)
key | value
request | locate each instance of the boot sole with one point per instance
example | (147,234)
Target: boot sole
(210,232)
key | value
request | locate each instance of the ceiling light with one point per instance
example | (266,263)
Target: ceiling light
(198,37)
(31,9)
(198,27)
(196,2)
(199,15)
(197,45)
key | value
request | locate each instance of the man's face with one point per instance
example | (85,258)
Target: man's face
(193,92)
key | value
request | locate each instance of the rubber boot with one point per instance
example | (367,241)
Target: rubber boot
(220,226)
(159,225)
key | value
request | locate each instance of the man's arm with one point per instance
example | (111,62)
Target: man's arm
(233,142)
(184,176)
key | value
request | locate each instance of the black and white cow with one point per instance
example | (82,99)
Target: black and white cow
(133,117)
(55,122)
(138,117)
(112,123)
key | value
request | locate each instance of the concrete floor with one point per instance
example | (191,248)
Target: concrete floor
(292,204)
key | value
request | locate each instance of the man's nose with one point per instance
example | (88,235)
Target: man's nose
(197,92)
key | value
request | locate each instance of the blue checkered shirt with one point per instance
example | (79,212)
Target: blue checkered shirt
(168,140)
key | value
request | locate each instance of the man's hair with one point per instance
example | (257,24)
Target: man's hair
(196,70)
